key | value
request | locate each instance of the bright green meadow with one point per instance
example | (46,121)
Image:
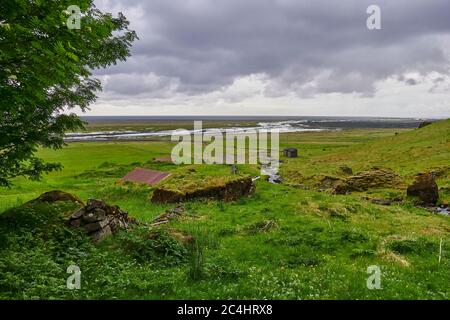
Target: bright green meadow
(286,241)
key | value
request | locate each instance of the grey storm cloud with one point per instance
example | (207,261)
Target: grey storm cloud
(302,46)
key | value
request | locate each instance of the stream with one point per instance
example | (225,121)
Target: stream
(272,172)
(445,211)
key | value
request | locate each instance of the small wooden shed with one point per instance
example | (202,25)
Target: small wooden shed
(291,152)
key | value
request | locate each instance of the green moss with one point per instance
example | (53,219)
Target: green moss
(182,184)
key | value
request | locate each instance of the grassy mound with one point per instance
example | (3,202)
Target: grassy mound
(36,248)
(180,188)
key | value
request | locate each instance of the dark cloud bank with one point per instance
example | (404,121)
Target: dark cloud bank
(306,47)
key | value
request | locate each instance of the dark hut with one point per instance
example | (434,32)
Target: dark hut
(291,153)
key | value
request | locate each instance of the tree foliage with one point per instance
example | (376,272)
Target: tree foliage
(46,70)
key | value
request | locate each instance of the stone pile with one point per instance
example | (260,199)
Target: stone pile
(169,215)
(99,219)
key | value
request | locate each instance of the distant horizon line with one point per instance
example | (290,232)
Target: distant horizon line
(265,116)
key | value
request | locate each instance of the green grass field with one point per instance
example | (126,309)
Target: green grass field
(318,246)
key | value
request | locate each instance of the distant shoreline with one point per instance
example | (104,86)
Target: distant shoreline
(244,118)
(132,128)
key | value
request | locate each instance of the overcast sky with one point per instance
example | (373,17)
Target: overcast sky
(281,57)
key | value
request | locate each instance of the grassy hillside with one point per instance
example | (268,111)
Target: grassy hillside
(408,153)
(283,242)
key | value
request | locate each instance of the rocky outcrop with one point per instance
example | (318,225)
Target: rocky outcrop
(425,188)
(58,195)
(228,191)
(99,219)
(374,178)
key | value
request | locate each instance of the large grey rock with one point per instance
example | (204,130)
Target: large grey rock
(91,227)
(95,204)
(78,214)
(94,216)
